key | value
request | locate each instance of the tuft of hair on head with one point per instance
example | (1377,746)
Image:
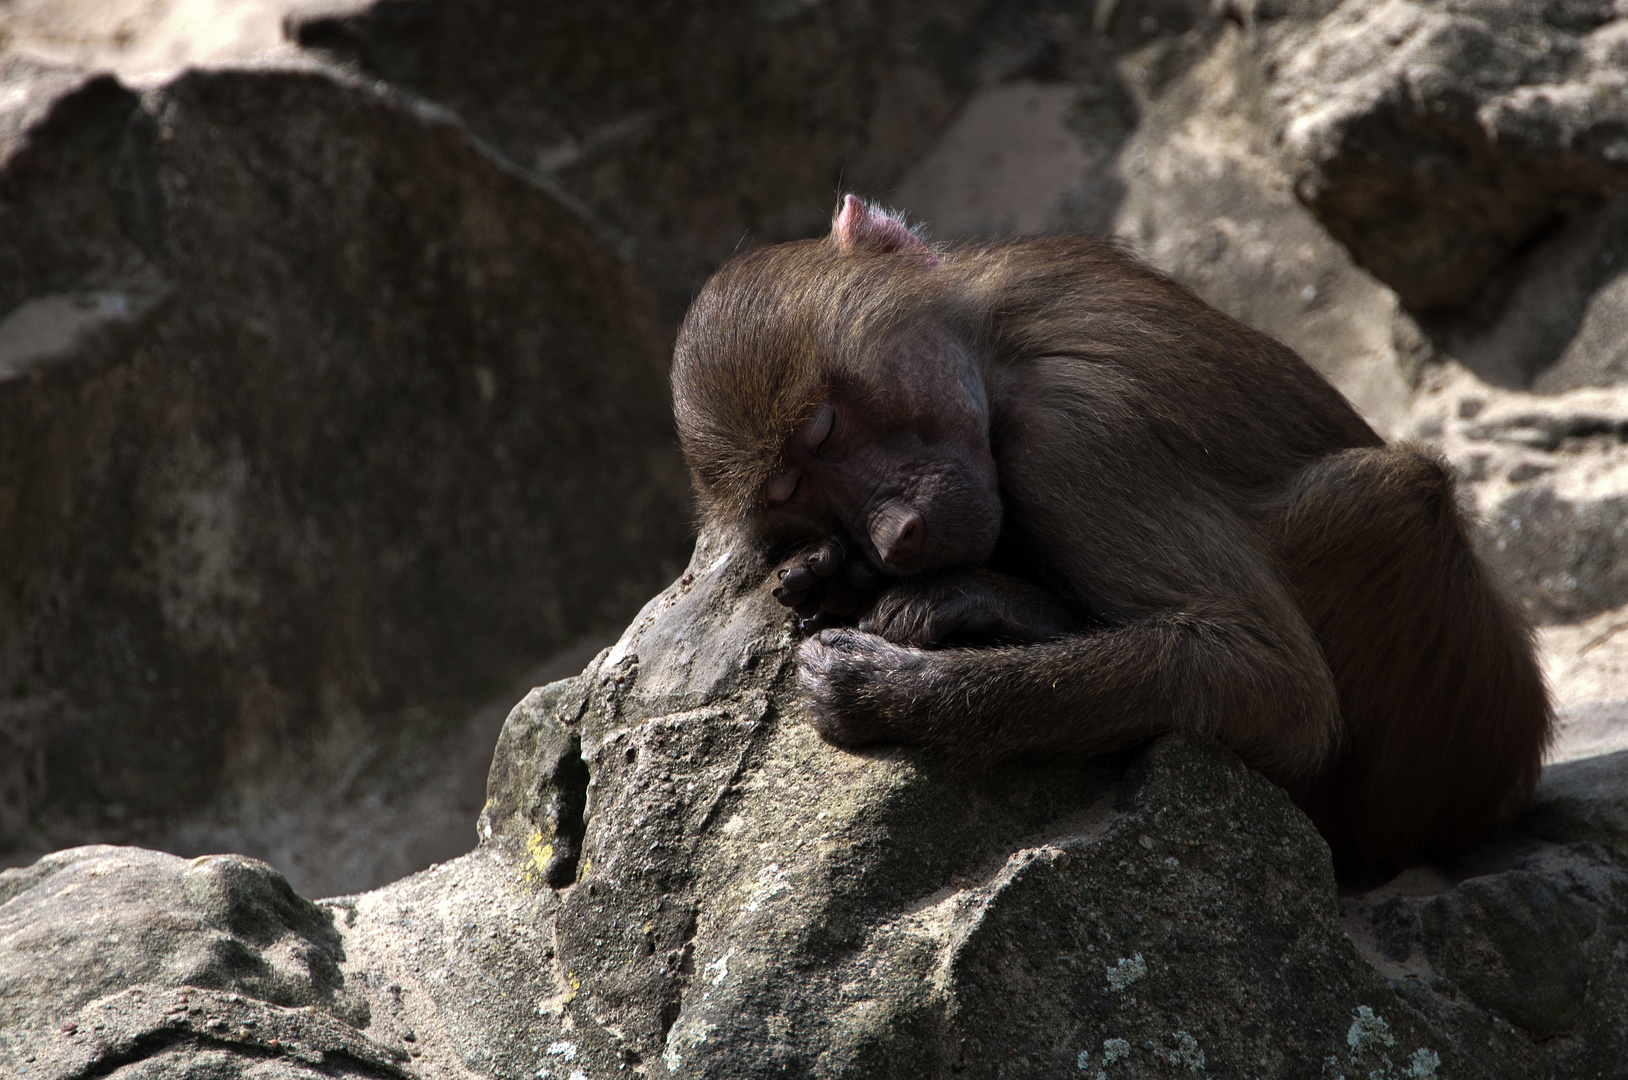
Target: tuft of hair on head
(766,335)
(859,225)
(747,368)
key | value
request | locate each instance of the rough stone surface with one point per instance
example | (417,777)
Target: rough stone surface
(1586,801)
(1550,477)
(1435,139)
(145,38)
(699,129)
(689,128)
(677,878)
(318,426)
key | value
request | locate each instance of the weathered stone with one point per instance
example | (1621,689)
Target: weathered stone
(1435,139)
(1584,801)
(318,425)
(1512,942)
(1517,948)
(1553,319)
(143,39)
(1561,555)
(1166,145)
(684,127)
(1587,726)
(696,130)
(749,901)
(1208,202)
(88,922)
(1549,476)
(1396,928)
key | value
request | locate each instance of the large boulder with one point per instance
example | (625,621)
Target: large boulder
(319,424)
(689,128)
(1433,140)
(678,878)
(1472,156)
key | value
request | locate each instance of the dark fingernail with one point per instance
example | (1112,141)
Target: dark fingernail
(781,573)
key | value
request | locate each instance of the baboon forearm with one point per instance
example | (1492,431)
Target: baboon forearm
(1089,693)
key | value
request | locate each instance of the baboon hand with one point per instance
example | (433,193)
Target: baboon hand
(841,672)
(829,583)
(967,607)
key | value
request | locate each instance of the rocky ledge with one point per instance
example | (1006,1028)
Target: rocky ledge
(676,877)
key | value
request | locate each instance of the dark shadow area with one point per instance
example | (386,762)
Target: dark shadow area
(1528,328)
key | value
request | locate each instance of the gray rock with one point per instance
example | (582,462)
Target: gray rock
(1433,140)
(676,877)
(1549,478)
(1559,554)
(700,130)
(1589,728)
(1167,145)
(1252,157)
(1553,319)
(318,425)
(1584,801)
(1513,943)
(1207,201)
(1520,942)
(691,129)
(220,922)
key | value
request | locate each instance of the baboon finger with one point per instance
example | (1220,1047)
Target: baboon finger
(828,558)
(798,579)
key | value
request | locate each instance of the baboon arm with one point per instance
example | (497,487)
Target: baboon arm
(1239,683)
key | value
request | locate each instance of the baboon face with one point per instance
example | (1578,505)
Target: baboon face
(901,463)
(839,386)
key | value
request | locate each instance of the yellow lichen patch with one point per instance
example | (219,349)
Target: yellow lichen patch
(539,850)
(587,866)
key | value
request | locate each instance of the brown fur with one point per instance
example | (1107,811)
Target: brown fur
(1224,546)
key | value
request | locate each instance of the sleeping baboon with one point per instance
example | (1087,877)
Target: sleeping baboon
(1098,509)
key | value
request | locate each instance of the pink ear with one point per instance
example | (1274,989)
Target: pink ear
(863,226)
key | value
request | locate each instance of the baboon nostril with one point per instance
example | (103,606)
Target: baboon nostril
(898,536)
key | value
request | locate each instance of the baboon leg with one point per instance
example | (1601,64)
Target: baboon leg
(1445,712)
